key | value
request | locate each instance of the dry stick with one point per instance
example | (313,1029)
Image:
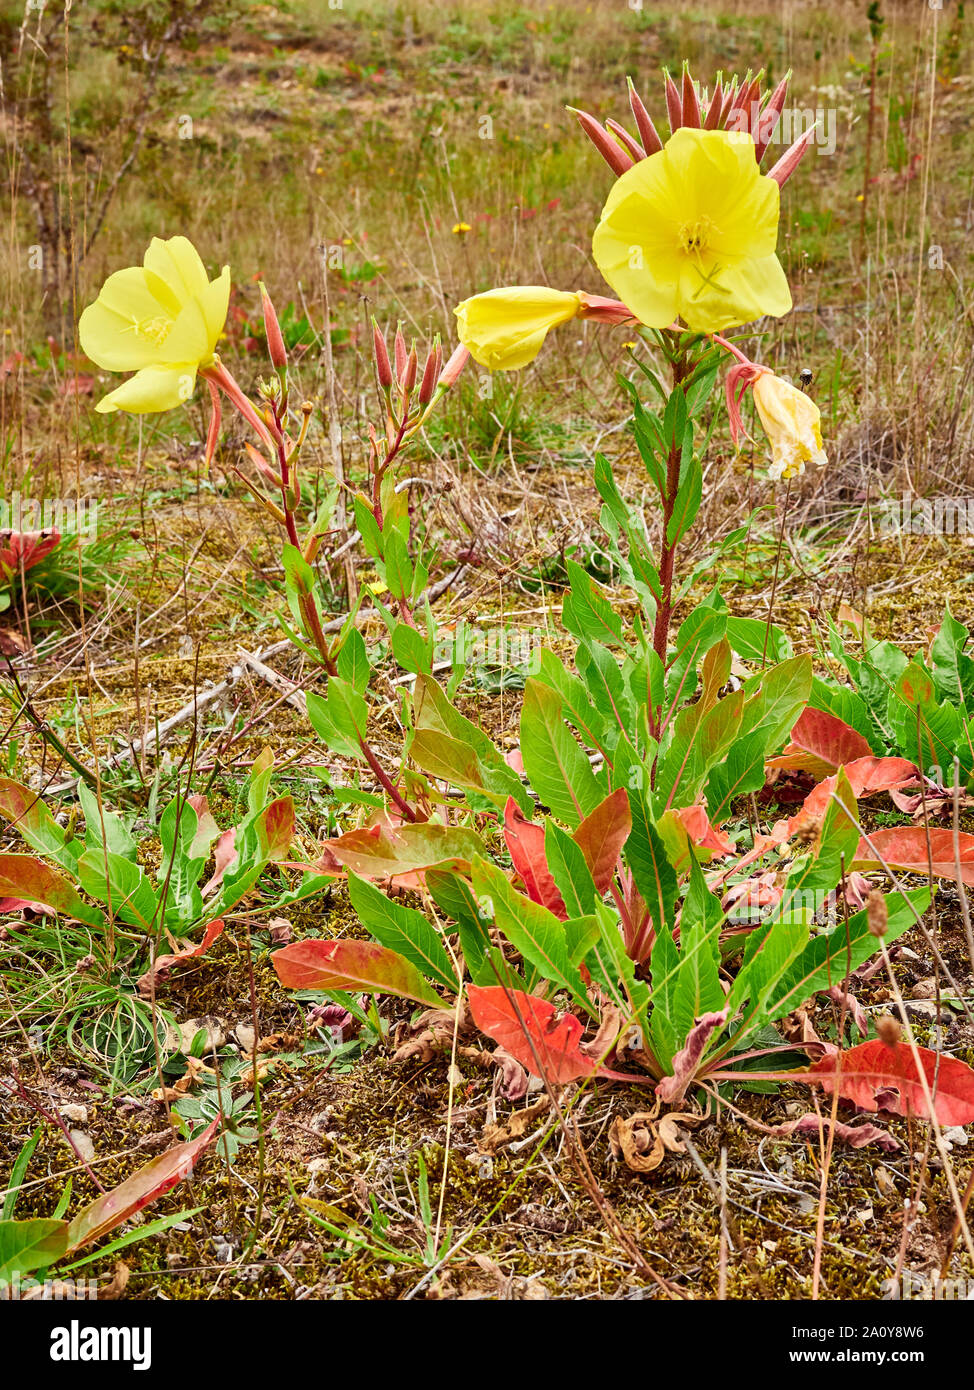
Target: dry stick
(217,692)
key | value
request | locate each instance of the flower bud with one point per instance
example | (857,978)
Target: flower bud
(430,373)
(275,339)
(382,367)
(400,354)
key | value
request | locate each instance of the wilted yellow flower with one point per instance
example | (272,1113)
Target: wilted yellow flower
(691,232)
(504,329)
(793,423)
(160,320)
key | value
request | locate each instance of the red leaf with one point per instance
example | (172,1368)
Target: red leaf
(355,965)
(821,743)
(154,1180)
(696,823)
(879,1076)
(866,777)
(545,1044)
(525,844)
(906,848)
(275,827)
(602,835)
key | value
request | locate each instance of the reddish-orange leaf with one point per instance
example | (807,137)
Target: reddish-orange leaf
(821,743)
(154,1180)
(602,835)
(352,965)
(525,845)
(880,1076)
(545,1042)
(907,848)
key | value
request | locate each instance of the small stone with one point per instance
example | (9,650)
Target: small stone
(215,1035)
(955,1136)
(84,1148)
(77,1114)
(924,989)
(245,1035)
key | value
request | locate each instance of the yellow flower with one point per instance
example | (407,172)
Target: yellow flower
(691,231)
(160,320)
(504,329)
(793,423)
(460,227)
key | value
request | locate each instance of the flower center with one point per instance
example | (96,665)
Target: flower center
(156,329)
(695,235)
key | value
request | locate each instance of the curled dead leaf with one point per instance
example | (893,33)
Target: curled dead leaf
(637,1141)
(514,1127)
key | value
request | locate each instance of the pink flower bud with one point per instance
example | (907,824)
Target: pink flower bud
(652,144)
(407,379)
(275,339)
(632,146)
(764,127)
(400,352)
(454,367)
(610,150)
(715,109)
(674,104)
(792,157)
(382,368)
(691,106)
(430,373)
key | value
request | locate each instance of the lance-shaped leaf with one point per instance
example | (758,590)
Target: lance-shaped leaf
(26,811)
(402,929)
(545,1042)
(557,767)
(24,877)
(646,855)
(351,965)
(883,1076)
(554,948)
(386,852)
(602,835)
(150,1182)
(525,842)
(916,850)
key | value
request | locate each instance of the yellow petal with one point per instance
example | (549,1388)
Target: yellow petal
(505,328)
(215,300)
(121,330)
(151,390)
(721,295)
(177,262)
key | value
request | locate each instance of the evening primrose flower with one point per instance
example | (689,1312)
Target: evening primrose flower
(505,328)
(160,320)
(691,232)
(793,423)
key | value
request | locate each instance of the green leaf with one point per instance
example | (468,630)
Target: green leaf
(353,662)
(29,1245)
(646,856)
(554,948)
(446,744)
(569,869)
(339,718)
(402,929)
(557,768)
(454,897)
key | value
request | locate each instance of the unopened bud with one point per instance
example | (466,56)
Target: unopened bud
(888,1030)
(400,355)
(382,366)
(275,339)
(454,367)
(407,376)
(877,914)
(430,373)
